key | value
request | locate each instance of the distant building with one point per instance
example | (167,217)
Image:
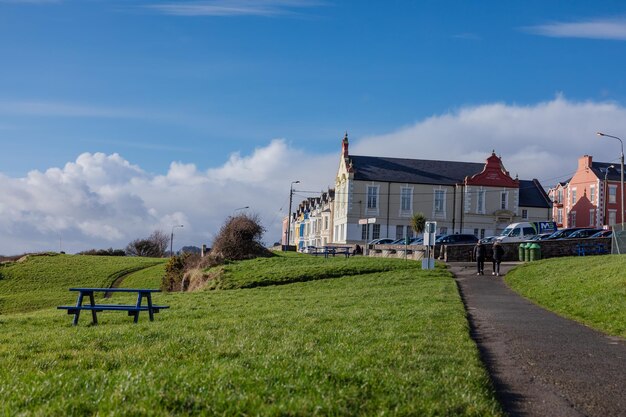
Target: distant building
(591,198)
(462,197)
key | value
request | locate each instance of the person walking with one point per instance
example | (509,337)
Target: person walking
(479,255)
(498,253)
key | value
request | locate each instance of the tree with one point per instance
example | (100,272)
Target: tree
(418,222)
(154,246)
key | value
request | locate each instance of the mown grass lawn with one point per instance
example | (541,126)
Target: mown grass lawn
(589,289)
(383,343)
(43,281)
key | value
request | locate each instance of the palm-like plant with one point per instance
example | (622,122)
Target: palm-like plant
(418,222)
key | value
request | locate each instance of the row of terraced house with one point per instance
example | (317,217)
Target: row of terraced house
(375,197)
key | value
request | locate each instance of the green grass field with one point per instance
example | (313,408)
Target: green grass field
(43,281)
(392,342)
(589,289)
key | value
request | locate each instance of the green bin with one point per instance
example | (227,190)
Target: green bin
(527,252)
(521,253)
(535,252)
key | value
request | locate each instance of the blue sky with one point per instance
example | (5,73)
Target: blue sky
(208,89)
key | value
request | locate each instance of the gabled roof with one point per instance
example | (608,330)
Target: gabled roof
(422,171)
(532,194)
(412,171)
(600,169)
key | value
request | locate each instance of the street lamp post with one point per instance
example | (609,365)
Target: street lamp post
(241,208)
(621,173)
(289,218)
(172,239)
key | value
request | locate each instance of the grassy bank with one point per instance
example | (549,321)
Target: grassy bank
(393,343)
(43,281)
(591,289)
(286,268)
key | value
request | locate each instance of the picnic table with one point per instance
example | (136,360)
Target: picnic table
(132,309)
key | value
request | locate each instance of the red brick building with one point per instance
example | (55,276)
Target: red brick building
(591,198)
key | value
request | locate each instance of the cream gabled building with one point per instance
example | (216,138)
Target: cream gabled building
(462,197)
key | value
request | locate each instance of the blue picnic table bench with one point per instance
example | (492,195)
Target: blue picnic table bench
(132,309)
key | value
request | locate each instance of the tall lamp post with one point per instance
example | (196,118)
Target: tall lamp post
(621,173)
(172,239)
(289,218)
(241,208)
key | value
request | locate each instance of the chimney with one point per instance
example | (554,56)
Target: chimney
(584,162)
(344,146)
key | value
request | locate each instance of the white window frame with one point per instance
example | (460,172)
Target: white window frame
(573,196)
(592,215)
(504,200)
(442,212)
(572,216)
(559,216)
(525,214)
(406,195)
(372,198)
(612,194)
(592,194)
(480,201)
(612,217)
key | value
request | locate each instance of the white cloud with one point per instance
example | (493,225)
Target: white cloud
(103,200)
(541,141)
(594,29)
(267,8)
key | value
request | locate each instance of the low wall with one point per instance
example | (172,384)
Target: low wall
(549,249)
(463,253)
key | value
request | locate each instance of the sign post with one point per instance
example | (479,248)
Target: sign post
(428,262)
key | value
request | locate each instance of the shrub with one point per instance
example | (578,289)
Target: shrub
(103,252)
(152,247)
(239,239)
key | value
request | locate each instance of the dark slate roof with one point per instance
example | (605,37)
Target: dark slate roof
(600,169)
(532,194)
(412,171)
(422,171)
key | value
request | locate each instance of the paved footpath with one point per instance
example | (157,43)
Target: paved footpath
(541,364)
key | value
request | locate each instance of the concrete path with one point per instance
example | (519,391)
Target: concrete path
(541,364)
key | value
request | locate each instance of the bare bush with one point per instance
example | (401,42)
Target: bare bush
(240,238)
(154,246)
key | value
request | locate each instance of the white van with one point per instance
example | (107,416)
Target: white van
(524,231)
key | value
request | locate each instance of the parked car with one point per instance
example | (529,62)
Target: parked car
(603,233)
(583,233)
(381,241)
(309,249)
(563,233)
(488,239)
(542,236)
(457,239)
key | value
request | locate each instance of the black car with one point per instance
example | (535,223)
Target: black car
(457,239)
(564,233)
(583,233)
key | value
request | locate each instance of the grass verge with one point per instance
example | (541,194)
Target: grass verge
(385,343)
(43,281)
(589,289)
(286,268)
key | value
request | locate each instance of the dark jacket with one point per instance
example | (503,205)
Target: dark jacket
(479,252)
(498,252)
